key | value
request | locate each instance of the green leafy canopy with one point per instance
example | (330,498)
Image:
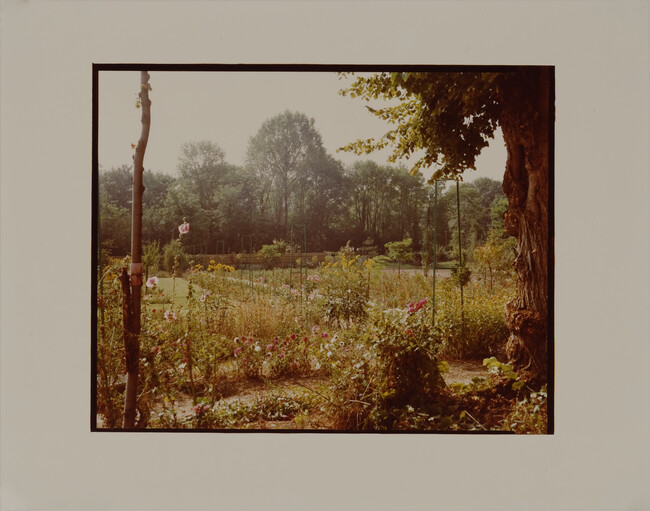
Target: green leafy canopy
(449,115)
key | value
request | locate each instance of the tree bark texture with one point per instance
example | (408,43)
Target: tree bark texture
(132,328)
(525,122)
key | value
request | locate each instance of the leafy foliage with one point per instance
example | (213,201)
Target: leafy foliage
(173,252)
(400,251)
(345,287)
(449,115)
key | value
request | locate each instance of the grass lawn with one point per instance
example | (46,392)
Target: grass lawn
(166,286)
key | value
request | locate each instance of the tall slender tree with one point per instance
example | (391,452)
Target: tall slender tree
(280,154)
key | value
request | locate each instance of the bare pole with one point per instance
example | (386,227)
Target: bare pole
(132,329)
(461,268)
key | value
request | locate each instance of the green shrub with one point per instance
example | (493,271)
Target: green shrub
(392,371)
(345,287)
(151,256)
(406,347)
(173,252)
(461,275)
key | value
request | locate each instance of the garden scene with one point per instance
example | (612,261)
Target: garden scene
(297,292)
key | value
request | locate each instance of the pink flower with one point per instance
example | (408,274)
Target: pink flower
(417,306)
(294,365)
(281,355)
(237,350)
(293,337)
(184,228)
(152,281)
(275,341)
(204,296)
(324,334)
(269,347)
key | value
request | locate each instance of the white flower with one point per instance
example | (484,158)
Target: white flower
(329,354)
(169,315)
(184,228)
(257,347)
(152,281)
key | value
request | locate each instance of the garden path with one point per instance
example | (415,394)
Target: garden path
(462,371)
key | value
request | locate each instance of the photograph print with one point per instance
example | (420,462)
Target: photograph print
(313,249)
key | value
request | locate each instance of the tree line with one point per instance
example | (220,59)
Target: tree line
(288,179)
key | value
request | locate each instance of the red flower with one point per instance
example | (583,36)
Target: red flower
(293,337)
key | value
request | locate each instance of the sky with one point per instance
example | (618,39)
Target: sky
(228,108)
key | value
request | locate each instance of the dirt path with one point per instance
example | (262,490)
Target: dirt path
(462,371)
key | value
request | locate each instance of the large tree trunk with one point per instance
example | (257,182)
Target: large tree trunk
(526,122)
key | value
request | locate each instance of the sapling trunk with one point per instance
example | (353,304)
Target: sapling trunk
(133,298)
